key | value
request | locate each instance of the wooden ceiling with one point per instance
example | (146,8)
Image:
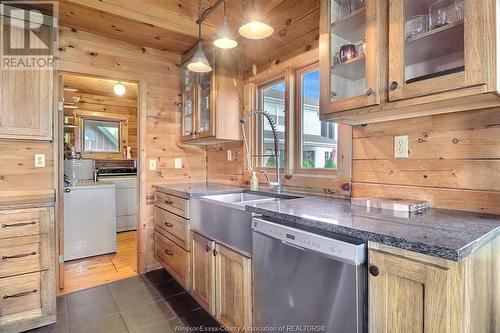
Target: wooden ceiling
(170,25)
(98,86)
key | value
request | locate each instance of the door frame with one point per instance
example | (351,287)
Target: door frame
(59,167)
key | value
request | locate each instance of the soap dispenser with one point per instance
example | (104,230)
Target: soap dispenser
(254,182)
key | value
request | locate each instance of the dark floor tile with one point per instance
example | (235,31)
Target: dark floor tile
(127,286)
(200,318)
(182,303)
(138,317)
(157,276)
(61,326)
(61,304)
(136,298)
(111,324)
(94,310)
(85,297)
(169,288)
(167,326)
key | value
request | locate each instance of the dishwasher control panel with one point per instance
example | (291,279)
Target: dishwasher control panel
(354,254)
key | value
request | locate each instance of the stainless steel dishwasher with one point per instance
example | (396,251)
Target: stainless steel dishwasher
(304,282)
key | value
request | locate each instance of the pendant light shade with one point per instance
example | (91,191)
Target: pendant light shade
(199,62)
(224,37)
(255,28)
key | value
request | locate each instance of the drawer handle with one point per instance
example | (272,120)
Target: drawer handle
(168,202)
(169,225)
(374,271)
(18,224)
(169,253)
(19,255)
(208,248)
(26,293)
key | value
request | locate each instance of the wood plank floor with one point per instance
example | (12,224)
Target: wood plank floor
(95,271)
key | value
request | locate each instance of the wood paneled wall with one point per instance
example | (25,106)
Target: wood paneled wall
(158,73)
(454,160)
(220,170)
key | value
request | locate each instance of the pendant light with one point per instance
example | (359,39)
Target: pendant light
(199,62)
(119,89)
(224,39)
(255,28)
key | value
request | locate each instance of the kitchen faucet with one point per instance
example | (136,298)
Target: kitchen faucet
(276,186)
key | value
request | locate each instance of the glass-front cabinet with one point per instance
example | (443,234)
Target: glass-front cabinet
(435,46)
(352,53)
(211,103)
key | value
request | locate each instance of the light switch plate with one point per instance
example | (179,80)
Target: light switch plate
(178,163)
(229,155)
(39,160)
(152,165)
(401,147)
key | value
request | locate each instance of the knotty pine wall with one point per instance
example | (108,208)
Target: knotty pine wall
(454,160)
(87,53)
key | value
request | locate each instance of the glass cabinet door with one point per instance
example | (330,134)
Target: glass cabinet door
(205,105)
(351,33)
(188,107)
(427,45)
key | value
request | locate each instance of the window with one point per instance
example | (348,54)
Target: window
(318,140)
(101,136)
(272,100)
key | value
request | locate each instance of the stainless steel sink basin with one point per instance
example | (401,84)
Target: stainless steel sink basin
(222,217)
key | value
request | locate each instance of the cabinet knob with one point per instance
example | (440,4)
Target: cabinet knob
(168,202)
(208,248)
(369,92)
(169,253)
(215,252)
(191,133)
(373,270)
(394,85)
(169,225)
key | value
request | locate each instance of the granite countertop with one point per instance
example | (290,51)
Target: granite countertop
(440,233)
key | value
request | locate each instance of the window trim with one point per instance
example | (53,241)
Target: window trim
(299,72)
(120,135)
(257,142)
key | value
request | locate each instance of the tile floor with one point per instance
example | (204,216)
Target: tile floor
(154,302)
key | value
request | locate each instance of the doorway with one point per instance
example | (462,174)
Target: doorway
(98,180)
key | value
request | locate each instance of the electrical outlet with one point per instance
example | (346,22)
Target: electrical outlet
(401,149)
(152,165)
(178,163)
(39,160)
(229,155)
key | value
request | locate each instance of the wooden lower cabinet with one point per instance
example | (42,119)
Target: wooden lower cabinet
(203,272)
(233,287)
(173,258)
(222,282)
(411,292)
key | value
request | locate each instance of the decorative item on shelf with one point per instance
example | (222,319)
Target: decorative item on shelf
(346,7)
(417,25)
(361,47)
(336,58)
(460,9)
(442,12)
(224,39)
(255,27)
(347,52)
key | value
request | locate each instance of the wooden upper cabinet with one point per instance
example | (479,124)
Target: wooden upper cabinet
(448,54)
(27,95)
(352,54)
(203,272)
(233,288)
(212,101)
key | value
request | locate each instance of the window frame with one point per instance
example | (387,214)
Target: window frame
(120,135)
(258,141)
(299,72)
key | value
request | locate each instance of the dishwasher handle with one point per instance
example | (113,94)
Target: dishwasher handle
(350,253)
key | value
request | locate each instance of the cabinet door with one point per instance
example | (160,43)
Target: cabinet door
(188,103)
(204,116)
(406,295)
(26,104)
(233,288)
(431,53)
(352,53)
(203,272)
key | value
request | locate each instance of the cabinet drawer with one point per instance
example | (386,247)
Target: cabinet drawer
(173,204)
(174,258)
(21,297)
(24,222)
(171,224)
(24,255)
